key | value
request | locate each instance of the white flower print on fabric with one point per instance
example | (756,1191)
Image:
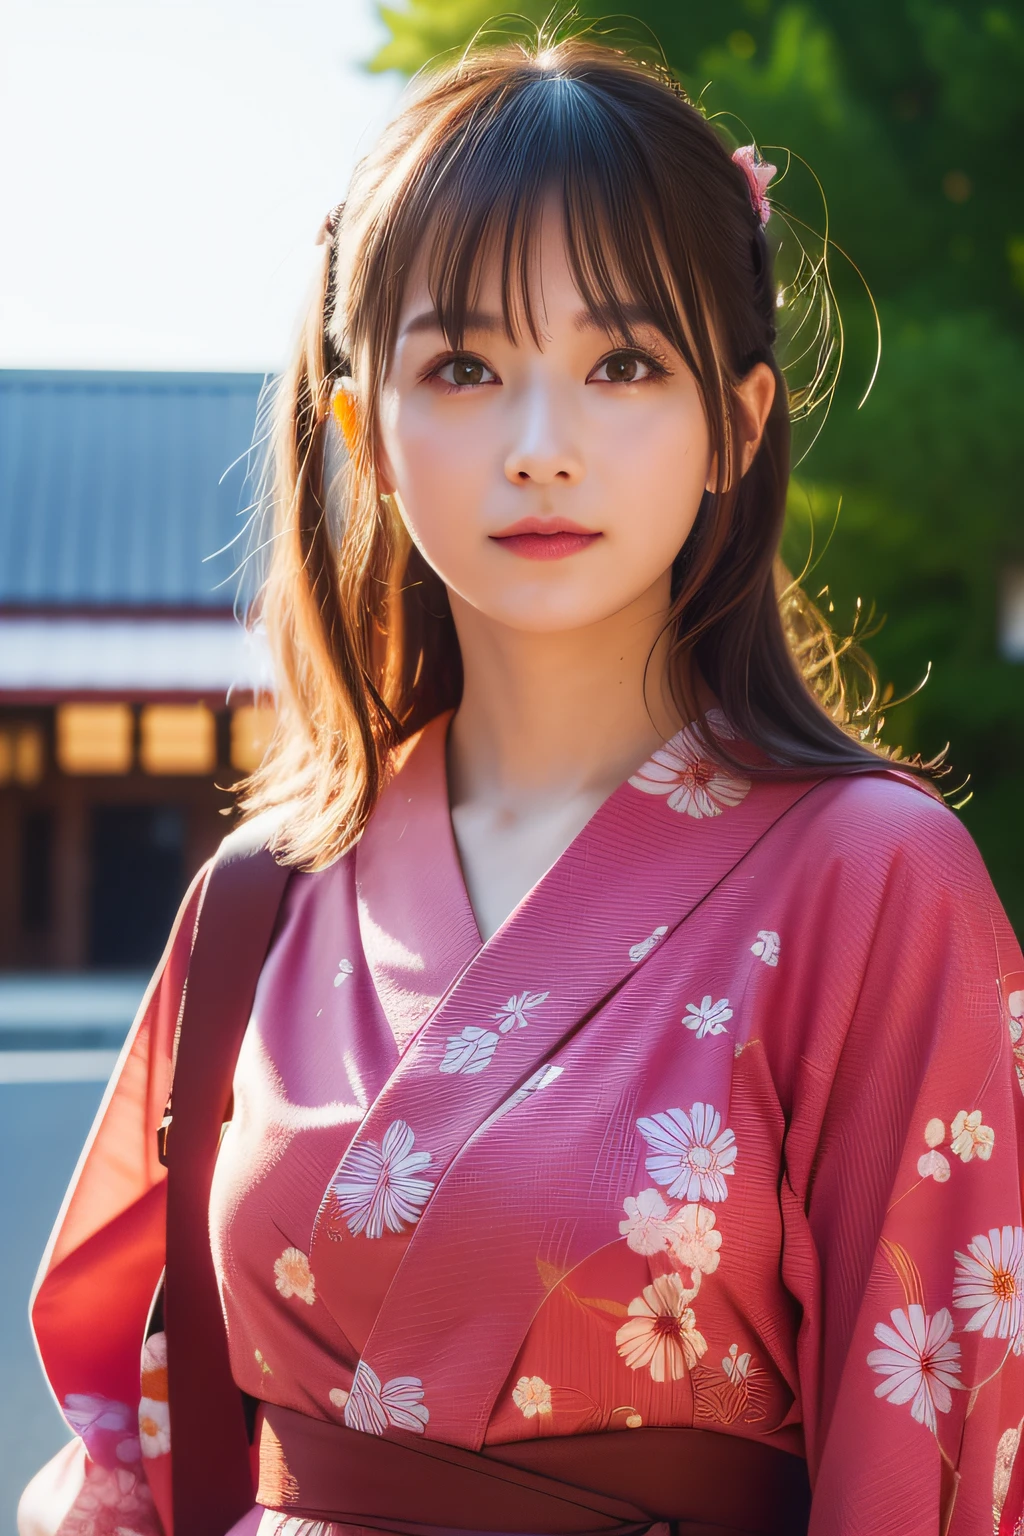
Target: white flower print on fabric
(694,1243)
(662,1331)
(154,1367)
(377,1188)
(988,1281)
(708,1018)
(154,1416)
(694,784)
(766,946)
(646,1227)
(1015,1008)
(638,952)
(532,1395)
(688,1235)
(920,1362)
(1006,1454)
(345,969)
(372,1408)
(402,1398)
(692,1156)
(293,1277)
(932,1164)
(934,1133)
(735,1365)
(154,1427)
(469,1052)
(970,1138)
(516,1009)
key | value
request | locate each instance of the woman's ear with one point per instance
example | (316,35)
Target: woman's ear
(755,395)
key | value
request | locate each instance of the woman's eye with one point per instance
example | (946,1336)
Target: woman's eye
(464,372)
(623,368)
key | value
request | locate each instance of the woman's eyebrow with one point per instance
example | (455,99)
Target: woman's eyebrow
(630,316)
(473,320)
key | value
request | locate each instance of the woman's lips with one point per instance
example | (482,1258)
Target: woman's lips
(530,539)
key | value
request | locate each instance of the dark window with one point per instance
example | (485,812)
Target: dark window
(137,881)
(37,871)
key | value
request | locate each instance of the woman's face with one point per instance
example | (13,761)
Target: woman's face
(549,486)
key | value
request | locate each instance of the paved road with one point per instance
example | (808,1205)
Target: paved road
(42,1128)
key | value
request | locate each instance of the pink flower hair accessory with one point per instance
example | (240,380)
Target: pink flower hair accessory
(758,173)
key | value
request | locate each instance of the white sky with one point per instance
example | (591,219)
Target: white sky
(165,167)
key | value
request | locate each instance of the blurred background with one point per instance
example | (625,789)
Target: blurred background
(167,165)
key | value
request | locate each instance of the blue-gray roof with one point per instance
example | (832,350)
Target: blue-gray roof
(110,486)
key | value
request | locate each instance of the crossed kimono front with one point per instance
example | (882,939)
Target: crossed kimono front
(722,1128)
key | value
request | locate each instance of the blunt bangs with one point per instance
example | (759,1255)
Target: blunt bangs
(563,140)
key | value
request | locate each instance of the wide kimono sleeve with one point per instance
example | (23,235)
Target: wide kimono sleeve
(97,1282)
(902,1181)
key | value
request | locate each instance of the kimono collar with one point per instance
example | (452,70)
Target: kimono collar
(415,920)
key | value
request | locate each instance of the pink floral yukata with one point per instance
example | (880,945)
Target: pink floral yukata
(723,1128)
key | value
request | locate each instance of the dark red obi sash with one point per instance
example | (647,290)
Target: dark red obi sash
(703,1482)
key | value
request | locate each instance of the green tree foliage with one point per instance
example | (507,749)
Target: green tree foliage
(911,113)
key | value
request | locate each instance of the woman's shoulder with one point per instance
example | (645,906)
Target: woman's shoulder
(887,823)
(882,876)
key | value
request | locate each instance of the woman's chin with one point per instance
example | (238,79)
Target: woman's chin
(536,613)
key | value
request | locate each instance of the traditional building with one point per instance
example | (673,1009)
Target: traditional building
(130,696)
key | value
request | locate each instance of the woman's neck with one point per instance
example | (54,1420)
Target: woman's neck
(555,717)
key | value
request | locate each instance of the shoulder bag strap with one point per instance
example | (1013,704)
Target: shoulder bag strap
(210,1462)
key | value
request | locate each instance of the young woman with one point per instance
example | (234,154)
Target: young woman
(628,1127)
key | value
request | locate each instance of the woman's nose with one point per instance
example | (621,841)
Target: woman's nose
(545,450)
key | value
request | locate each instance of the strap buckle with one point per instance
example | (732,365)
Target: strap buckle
(162,1133)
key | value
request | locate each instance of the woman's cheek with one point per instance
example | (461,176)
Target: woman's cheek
(652,476)
(440,505)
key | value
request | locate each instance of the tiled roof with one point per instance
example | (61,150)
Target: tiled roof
(111,490)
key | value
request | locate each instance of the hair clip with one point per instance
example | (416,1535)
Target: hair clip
(345,411)
(329,228)
(758,173)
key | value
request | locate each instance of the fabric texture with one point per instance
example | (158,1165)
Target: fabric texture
(722,1128)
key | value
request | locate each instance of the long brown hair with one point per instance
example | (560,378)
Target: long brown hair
(656,214)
